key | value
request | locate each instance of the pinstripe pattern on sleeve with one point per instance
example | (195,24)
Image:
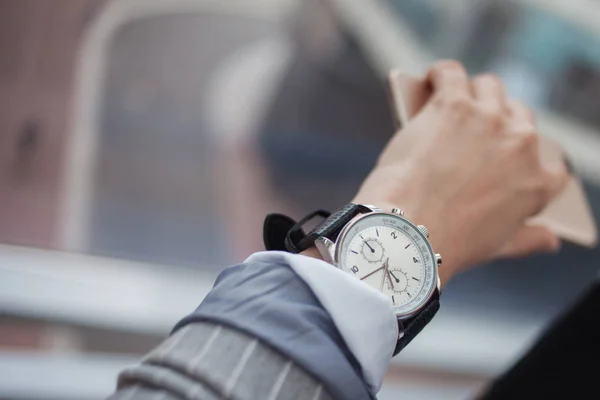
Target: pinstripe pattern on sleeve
(206,361)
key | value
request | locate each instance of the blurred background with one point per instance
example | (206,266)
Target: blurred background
(143,141)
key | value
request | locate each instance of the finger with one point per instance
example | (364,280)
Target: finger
(448,75)
(557,177)
(530,240)
(519,112)
(489,93)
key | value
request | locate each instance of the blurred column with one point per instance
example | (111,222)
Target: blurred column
(38,44)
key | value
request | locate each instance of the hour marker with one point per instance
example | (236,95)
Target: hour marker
(415,260)
(409,295)
(416,279)
(361,236)
(354,251)
(407,246)
(377,231)
(393,300)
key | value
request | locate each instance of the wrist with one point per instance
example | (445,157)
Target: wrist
(312,252)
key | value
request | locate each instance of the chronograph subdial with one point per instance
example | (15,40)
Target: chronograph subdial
(397,281)
(372,250)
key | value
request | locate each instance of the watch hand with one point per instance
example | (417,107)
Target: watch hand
(369,246)
(384,266)
(387,272)
(371,273)
(397,280)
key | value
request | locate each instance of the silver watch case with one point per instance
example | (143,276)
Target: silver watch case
(328,250)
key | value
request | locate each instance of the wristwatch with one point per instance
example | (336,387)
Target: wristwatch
(386,251)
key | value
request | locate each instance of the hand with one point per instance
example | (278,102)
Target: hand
(468,168)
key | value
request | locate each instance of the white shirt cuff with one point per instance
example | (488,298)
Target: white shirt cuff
(363,316)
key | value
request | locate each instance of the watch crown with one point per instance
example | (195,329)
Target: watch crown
(438,260)
(398,211)
(424,230)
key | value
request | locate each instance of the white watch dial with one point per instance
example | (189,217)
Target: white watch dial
(392,255)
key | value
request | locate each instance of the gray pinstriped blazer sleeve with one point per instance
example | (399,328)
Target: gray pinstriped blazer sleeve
(260,334)
(206,361)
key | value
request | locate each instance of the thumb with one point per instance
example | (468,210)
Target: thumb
(530,240)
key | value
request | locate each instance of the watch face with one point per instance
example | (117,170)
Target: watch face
(393,256)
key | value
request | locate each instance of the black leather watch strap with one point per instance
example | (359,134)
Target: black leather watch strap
(413,326)
(281,232)
(331,227)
